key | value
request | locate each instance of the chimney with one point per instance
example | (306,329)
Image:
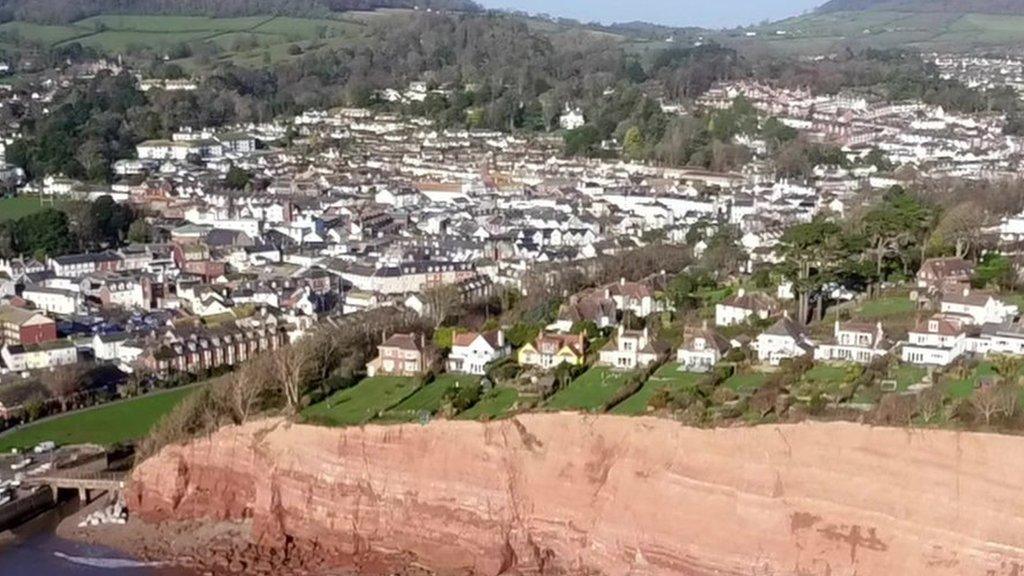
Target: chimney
(967,291)
(741,292)
(423,341)
(501,338)
(704,324)
(622,280)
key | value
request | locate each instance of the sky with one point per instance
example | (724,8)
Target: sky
(704,13)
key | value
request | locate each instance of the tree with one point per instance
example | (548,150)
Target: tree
(633,147)
(243,392)
(897,228)
(441,302)
(1008,367)
(959,229)
(290,368)
(988,401)
(64,383)
(811,250)
(140,232)
(237,178)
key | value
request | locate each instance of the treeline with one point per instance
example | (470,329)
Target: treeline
(75,227)
(66,11)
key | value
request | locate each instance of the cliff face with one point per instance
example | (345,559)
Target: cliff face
(577,494)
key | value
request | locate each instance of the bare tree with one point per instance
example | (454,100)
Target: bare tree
(290,368)
(960,228)
(242,393)
(326,349)
(988,401)
(65,382)
(930,403)
(441,302)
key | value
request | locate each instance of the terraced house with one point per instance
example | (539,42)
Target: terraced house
(208,348)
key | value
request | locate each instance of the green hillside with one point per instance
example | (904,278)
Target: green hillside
(829,31)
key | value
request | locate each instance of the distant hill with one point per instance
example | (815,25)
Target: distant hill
(1014,7)
(64,11)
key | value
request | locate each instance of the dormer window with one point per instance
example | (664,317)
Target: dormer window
(933,325)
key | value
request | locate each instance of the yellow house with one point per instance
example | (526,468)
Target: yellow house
(551,350)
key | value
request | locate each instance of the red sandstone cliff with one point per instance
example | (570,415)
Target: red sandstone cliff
(613,496)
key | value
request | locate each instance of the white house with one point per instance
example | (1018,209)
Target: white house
(53,300)
(628,350)
(109,346)
(472,351)
(854,341)
(785,339)
(21,357)
(937,341)
(744,306)
(701,350)
(571,118)
(976,306)
(637,298)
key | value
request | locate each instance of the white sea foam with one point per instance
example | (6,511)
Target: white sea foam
(108,563)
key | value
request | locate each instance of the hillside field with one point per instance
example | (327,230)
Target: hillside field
(194,40)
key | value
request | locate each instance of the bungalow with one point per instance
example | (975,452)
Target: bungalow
(399,355)
(550,350)
(701,350)
(854,341)
(473,351)
(628,350)
(744,306)
(785,339)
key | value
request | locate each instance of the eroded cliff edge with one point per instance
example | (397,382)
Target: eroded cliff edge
(601,494)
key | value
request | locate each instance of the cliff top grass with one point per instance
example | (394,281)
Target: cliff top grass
(362,402)
(429,398)
(105,425)
(494,404)
(590,391)
(668,377)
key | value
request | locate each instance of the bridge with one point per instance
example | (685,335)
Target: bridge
(84,482)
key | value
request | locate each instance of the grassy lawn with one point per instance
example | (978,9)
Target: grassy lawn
(745,383)
(492,405)
(590,391)
(957,388)
(362,402)
(106,425)
(906,375)
(667,377)
(886,307)
(430,397)
(14,208)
